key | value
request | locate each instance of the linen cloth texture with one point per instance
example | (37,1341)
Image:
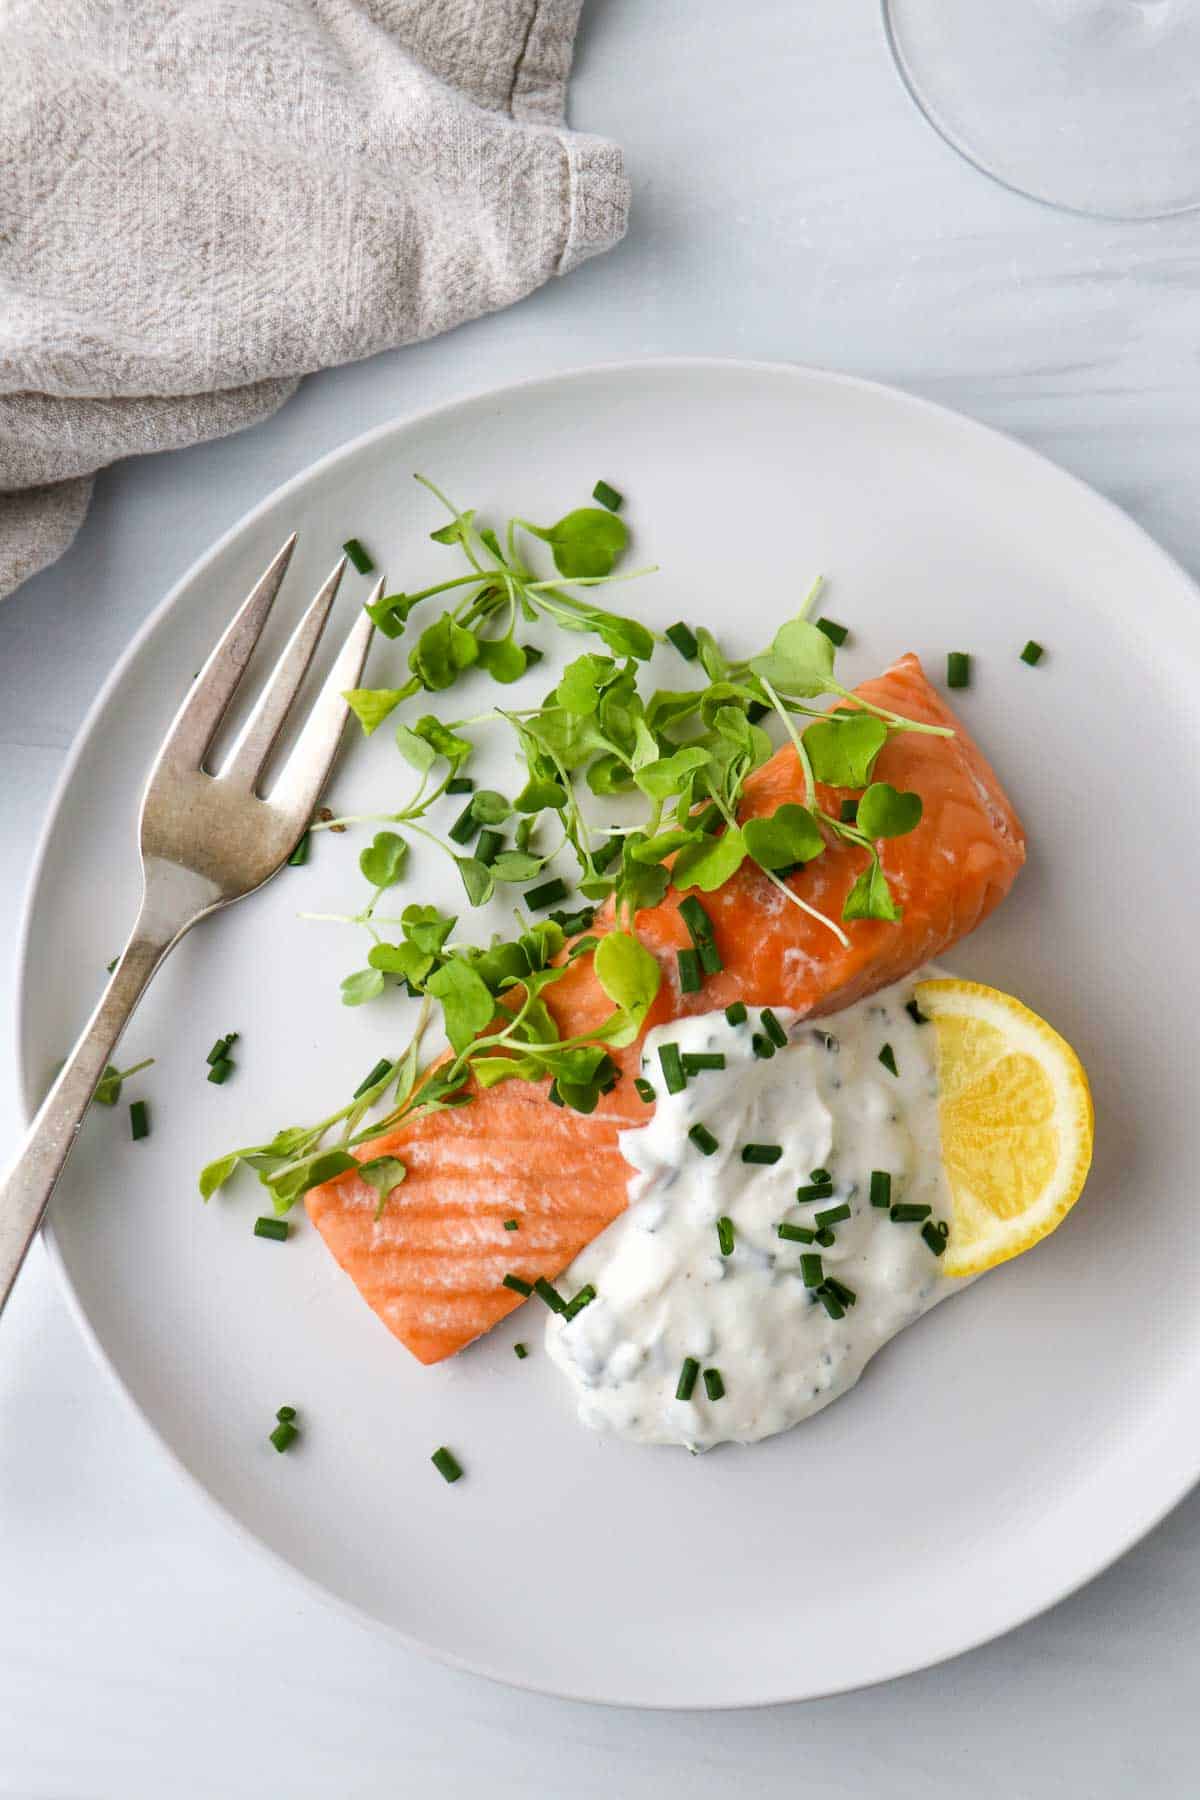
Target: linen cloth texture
(203,200)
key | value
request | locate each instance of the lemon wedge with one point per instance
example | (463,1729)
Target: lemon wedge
(1015,1112)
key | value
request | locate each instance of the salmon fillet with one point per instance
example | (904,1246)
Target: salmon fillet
(433,1266)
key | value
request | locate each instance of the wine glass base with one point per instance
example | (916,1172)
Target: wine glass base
(1088,105)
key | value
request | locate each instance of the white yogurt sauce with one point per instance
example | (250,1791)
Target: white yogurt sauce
(665,1292)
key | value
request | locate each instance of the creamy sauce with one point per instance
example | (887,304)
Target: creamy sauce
(664,1290)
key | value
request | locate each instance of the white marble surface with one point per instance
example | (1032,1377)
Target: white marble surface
(790,203)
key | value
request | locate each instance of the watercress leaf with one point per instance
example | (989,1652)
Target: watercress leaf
(538,794)
(883,812)
(382,862)
(662,844)
(641,885)
(288,1184)
(710,863)
(668,707)
(583,681)
(609,774)
(516,865)
(624,637)
(467,1003)
(214,1175)
(108,1088)
(871,897)
(455,531)
(668,774)
(799,662)
(711,660)
(477,878)
(490,1071)
(628,973)
(500,965)
(391,613)
(842,749)
(383,1173)
(789,835)
(416,751)
(565,736)
(443,650)
(503,660)
(646,747)
(363,985)
(489,807)
(403,960)
(541,943)
(731,724)
(371,706)
(586,542)
(426,927)
(447,743)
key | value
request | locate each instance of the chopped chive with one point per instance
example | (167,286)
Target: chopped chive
(696,1061)
(696,919)
(512,1224)
(553,1095)
(446,1464)
(795,1234)
(831,1303)
(762,1153)
(581,947)
(824,1237)
(489,847)
(533,656)
(881,1188)
(580,920)
(690,978)
(762,1046)
(460,784)
(272,1228)
(518,1286)
(687,1378)
(520,1352)
(219,1073)
(812,1274)
(819,1177)
(684,640)
(827,1041)
(735,1014)
(608,496)
(958,669)
(906,1214)
(608,853)
(465,826)
(285,1414)
(773,1028)
(915,1014)
(358,556)
(285,1433)
(382,1068)
(846,1295)
(300,853)
(546,1290)
(833,1215)
(139,1122)
(887,1057)
(546,895)
(757,709)
(714,1387)
(109,967)
(644,1090)
(815,1190)
(837,634)
(710,957)
(935,1236)
(703,1139)
(1032,653)
(849,812)
(725,1235)
(672,1068)
(220,1049)
(583,1298)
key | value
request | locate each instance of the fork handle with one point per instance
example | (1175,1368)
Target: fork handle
(26,1187)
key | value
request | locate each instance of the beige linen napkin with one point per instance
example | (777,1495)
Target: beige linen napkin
(203,200)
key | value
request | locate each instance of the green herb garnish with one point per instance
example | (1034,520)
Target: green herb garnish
(725,1235)
(446,1464)
(703,1139)
(714,1387)
(761,1153)
(278,1229)
(1032,653)
(687,1378)
(881,1188)
(608,496)
(358,556)
(958,669)
(139,1120)
(887,1057)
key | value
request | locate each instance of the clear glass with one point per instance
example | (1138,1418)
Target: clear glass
(1090,105)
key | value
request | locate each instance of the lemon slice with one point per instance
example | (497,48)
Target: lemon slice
(1016,1119)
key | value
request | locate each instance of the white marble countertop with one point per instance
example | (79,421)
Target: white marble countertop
(789,203)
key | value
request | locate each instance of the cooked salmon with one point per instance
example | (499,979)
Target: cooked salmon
(433,1265)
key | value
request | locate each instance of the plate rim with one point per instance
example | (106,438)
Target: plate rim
(1024,1613)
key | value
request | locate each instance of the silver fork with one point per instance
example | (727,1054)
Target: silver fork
(206,840)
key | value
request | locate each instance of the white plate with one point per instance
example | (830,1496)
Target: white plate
(995,1456)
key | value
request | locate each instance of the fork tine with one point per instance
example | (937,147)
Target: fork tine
(214,687)
(253,743)
(306,770)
